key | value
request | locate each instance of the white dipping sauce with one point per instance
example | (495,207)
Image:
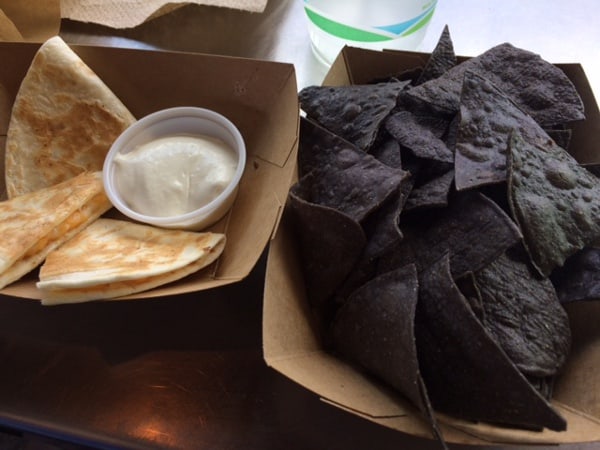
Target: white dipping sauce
(174,175)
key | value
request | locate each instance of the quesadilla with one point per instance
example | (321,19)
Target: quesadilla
(113,258)
(36,223)
(63,121)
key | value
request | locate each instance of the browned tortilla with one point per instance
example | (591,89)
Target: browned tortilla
(63,121)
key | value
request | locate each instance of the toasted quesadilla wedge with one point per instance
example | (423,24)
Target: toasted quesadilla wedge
(63,121)
(36,223)
(113,258)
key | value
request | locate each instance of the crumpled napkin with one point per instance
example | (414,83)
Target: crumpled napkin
(131,13)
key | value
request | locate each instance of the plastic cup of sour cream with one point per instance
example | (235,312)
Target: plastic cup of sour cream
(176,168)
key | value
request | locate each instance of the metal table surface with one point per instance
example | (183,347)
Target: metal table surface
(187,372)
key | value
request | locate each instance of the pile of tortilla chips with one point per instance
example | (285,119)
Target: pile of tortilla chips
(62,124)
(439,216)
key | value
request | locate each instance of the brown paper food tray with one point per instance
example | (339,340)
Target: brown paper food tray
(291,338)
(259,97)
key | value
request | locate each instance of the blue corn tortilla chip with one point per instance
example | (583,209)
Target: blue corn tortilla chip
(523,314)
(432,194)
(324,235)
(539,88)
(555,201)
(466,373)
(414,133)
(375,329)
(388,151)
(441,60)
(487,119)
(579,278)
(473,230)
(382,232)
(353,182)
(318,146)
(352,112)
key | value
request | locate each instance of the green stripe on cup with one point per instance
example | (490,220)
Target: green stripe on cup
(420,24)
(344,31)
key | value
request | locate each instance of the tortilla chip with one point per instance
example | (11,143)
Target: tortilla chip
(433,194)
(324,235)
(579,278)
(523,315)
(414,134)
(555,201)
(383,233)
(441,60)
(487,118)
(388,151)
(375,329)
(472,229)
(466,374)
(318,146)
(352,112)
(351,181)
(539,88)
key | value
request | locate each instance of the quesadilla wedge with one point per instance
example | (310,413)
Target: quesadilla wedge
(36,223)
(113,258)
(63,121)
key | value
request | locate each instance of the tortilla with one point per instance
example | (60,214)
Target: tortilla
(63,122)
(579,278)
(112,258)
(353,112)
(36,223)
(539,88)
(415,134)
(555,201)
(470,217)
(432,194)
(487,118)
(451,343)
(353,182)
(375,329)
(522,313)
(324,235)
(441,60)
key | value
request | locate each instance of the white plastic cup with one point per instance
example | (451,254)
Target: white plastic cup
(372,24)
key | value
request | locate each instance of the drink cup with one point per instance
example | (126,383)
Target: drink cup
(373,24)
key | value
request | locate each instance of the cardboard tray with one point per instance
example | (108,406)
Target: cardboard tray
(291,340)
(259,97)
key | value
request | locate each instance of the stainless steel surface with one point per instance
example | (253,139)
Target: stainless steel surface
(187,372)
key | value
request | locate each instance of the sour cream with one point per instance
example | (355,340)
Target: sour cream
(174,175)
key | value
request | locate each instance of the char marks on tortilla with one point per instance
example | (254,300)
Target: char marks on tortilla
(63,121)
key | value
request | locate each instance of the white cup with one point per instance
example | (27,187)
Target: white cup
(372,24)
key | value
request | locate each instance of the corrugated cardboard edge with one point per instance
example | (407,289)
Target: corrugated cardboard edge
(292,345)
